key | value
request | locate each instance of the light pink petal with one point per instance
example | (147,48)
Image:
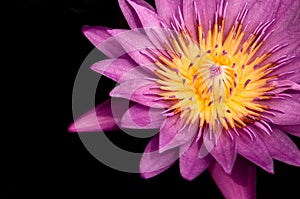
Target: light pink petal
(103,40)
(281,147)
(142,91)
(240,184)
(153,162)
(120,69)
(105,117)
(166,8)
(225,152)
(191,165)
(255,150)
(142,117)
(130,14)
(287,110)
(174,133)
(291,129)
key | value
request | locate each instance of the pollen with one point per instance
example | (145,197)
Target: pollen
(216,79)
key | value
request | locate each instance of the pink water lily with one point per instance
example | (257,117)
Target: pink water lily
(220,79)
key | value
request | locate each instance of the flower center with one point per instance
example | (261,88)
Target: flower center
(216,80)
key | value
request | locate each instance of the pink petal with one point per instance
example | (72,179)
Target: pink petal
(147,17)
(225,152)
(240,184)
(135,44)
(255,151)
(103,40)
(206,11)
(191,165)
(189,16)
(281,147)
(284,85)
(169,130)
(119,70)
(130,14)
(102,118)
(174,133)
(153,162)
(291,129)
(141,91)
(287,111)
(142,117)
(166,8)
(286,26)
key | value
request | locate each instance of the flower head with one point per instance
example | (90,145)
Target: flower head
(220,79)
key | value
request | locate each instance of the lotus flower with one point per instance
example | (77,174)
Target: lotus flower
(220,79)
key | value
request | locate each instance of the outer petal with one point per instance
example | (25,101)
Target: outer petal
(174,133)
(241,184)
(140,91)
(153,162)
(134,44)
(281,147)
(225,152)
(148,17)
(191,165)
(291,129)
(120,70)
(286,31)
(130,14)
(287,111)
(142,117)
(101,118)
(255,151)
(166,8)
(103,40)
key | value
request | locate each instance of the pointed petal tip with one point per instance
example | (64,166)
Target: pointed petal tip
(72,128)
(188,178)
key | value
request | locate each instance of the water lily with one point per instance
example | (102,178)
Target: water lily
(220,79)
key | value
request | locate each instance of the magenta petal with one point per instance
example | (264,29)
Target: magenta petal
(141,91)
(142,117)
(119,70)
(191,165)
(102,118)
(135,44)
(130,14)
(291,129)
(206,11)
(174,133)
(153,162)
(287,111)
(189,16)
(169,130)
(103,40)
(281,147)
(284,85)
(240,184)
(166,8)
(255,151)
(225,152)
(148,17)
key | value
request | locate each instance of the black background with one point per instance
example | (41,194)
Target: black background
(45,160)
